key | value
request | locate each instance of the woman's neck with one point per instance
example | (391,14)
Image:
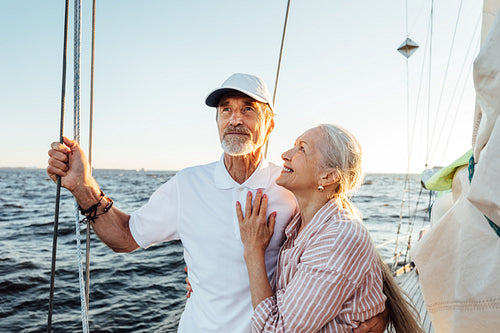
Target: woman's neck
(309,204)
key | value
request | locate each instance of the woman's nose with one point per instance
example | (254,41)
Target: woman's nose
(286,155)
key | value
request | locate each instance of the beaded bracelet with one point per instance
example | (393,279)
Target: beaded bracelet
(91,212)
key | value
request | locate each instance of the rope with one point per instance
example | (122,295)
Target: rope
(279,63)
(91,126)
(58,191)
(76,132)
(387,242)
(400,222)
(411,223)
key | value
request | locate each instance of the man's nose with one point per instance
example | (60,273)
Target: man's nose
(236,119)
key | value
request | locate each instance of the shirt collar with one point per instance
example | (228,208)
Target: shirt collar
(260,178)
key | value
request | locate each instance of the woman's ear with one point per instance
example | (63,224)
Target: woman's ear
(330,178)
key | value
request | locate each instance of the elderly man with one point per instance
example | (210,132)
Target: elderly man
(197,207)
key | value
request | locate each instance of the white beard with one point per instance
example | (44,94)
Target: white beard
(237,146)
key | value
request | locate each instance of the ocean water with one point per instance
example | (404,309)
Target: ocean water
(143,291)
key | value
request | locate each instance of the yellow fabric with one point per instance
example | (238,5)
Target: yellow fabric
(442,180)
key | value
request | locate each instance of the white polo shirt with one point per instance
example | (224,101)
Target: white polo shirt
(197,206)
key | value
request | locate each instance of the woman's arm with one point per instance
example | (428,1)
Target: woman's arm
(316,293)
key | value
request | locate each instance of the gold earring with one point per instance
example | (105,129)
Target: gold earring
(320,188)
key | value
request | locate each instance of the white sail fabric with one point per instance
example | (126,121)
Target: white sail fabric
(458,259)
(485,189)
(490,8)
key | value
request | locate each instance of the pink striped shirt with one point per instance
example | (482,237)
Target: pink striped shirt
(328,277)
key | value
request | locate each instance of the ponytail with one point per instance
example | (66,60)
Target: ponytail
(403,316)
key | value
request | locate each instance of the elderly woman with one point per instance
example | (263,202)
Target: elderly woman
(328,277)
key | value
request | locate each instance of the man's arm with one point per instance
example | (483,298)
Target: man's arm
(69,162)
(375,324)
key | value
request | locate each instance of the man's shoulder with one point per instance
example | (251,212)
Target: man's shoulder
(197,169)
(275,169)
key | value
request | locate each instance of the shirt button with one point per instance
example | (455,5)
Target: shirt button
(241,189)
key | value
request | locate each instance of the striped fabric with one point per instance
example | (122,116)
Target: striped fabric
(328,277)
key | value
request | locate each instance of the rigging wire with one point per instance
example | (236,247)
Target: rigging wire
(396,243)
(421,80)
(406,19)
(432,199)
(475,35)
(417,17)
(58,190)
(458,106)
(412,216)
(429,87)
(91,126)
(76,133)
(406,187)
(279,63)
(411,223)
(446,72)
(406,200)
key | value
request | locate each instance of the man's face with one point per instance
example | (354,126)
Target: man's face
(242,124)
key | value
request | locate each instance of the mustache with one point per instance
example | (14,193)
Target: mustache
(238,129)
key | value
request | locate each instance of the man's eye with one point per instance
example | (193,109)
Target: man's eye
(301,148)
(225,109)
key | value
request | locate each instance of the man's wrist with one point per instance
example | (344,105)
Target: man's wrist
(87,196)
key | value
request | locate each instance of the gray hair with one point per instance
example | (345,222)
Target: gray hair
(266,109)
(342,151)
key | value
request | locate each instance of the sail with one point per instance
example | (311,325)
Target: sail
(490,8)
(485,191)
(458,258)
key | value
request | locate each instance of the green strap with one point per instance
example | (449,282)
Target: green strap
(471,173)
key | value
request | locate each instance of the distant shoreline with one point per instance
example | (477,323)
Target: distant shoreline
(147,170)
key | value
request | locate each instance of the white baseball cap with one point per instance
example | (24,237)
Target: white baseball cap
(249,85)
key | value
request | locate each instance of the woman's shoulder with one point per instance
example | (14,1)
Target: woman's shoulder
(342,226)
(343,241)
(347,225)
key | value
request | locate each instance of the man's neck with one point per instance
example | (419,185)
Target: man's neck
(242,167)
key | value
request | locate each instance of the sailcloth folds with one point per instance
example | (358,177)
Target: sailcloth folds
(459,258)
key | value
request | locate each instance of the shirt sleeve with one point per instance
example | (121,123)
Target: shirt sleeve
(316,294)
(312,299)
(156,221)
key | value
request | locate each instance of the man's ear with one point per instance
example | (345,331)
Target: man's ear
(270,128)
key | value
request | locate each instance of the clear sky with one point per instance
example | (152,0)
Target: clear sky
(157,60)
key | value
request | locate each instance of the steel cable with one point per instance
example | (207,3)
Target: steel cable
(58,190)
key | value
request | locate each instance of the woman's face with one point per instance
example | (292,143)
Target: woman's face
(301,167)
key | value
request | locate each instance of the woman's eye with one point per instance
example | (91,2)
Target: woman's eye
(248,109)
(301,148)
